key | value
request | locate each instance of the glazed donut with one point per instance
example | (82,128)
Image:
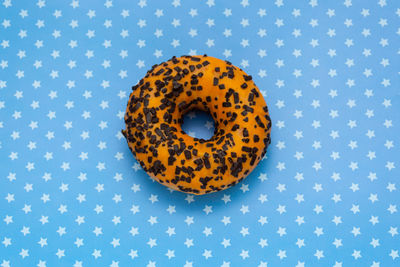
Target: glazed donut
(153,121)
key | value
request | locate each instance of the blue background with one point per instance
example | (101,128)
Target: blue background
(341,94)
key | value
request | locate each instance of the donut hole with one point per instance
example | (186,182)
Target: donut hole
(198,124)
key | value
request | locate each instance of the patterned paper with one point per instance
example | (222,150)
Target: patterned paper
(326,195)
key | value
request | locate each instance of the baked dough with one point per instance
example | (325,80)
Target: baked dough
(154,115)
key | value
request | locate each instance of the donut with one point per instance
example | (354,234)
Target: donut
(154,115)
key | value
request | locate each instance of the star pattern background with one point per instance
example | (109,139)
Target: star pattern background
(326,195)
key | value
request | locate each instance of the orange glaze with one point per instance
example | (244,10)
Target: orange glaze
(154,115)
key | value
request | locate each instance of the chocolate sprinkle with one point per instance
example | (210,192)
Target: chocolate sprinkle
(215,81)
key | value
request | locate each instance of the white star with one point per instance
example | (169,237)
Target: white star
(281,231)
(226,220)
(279,3)
(25,230)
(97,231)
(337,220)
(262,220)
(13,155)
(336,198)
(298,134)
(281,187)
(299,155)
(6,242)
(262,32)
(60,253)
(374,220)
(314,43)
(42,242)
(281,254)
(374,242)
(319,254)
(393,231)
(317,166)
(281,209)
(244,231)
(133,254)
(45,198)
(352,124)
(116,220)
(152,220)
(319,231)
(296,12)
(337,243)
(226,243)
(263,198)
(299,176)
(355,208)
(170,254)
(318,209)
(365,12)
(300,243)
(384,42)
(356,231)
(281,166)
(207,209)
(115,242)
(189,243)
(354,187)
(353,165)
(349,42)
(356,254)
(394,254)
(30,166)
(207,254)
(244,254)
(387,103)
(96,253)
(391,187)
(27,187)
(24,253)
(207,231)
(373,197)
(170,231)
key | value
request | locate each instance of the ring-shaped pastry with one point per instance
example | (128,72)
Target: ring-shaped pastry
(154,115)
